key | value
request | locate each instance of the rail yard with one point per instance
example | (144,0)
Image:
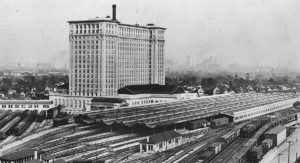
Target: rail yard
(209,129)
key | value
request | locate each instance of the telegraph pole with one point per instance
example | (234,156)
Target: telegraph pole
(289,141)
(278,155)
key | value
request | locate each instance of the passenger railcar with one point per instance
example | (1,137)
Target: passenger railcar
(9,117)
(7,129)
(25,123)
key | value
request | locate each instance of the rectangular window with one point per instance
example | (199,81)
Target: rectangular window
(160,145)
(3,106)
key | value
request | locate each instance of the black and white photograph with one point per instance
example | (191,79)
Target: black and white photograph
(149,81)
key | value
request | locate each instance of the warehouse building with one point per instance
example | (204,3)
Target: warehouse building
(277,134)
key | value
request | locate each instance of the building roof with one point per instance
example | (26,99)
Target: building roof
(151,89)
(276,130)
(215,144)
(95,20)
(59,161)
(35,161)
(33,102)
(108,99)
(18,155)
(47,157)
(161,137)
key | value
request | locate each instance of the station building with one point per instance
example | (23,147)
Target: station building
(22,156)
(106,55)
(134,95)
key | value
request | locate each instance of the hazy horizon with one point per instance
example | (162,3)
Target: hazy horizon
(263,32)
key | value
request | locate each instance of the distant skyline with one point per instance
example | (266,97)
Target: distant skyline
(262,32)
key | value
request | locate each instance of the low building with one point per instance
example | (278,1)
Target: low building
(277,134)
(101,103)
(216,91)
(161,142)
(47,159)
(25,104)
(134,95)
(21,156)
(11,91)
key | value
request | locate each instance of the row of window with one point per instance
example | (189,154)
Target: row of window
(24,106)
(260,112)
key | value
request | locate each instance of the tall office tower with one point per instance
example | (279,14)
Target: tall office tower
(106,55)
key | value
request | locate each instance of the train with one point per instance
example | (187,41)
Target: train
(7,129)
(248,130)
(200,123)
(219,122)
(4,114)
(41,116)
(246,154)
(61,120)
(9,117)
(25,123)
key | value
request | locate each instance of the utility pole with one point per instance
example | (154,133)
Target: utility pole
(278,155)
(289,141)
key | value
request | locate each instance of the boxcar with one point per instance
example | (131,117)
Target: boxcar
(219,122)
(196,124)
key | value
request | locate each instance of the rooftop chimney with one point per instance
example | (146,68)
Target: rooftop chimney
(114,12)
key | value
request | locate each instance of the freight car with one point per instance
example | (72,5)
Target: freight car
(248,130)
(219,122)
(200,123)
(41,116)
(255,154)
(266,145)
(284,119)
(25,123)
(206,156)
(7,129)
(229,137)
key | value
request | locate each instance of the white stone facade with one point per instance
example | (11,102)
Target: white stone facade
(106,55)
(73,104)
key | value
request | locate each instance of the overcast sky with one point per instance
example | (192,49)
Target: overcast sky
(249,32)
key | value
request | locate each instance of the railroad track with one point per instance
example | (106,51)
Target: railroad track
(174,154)
(192,155)
(230,150)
